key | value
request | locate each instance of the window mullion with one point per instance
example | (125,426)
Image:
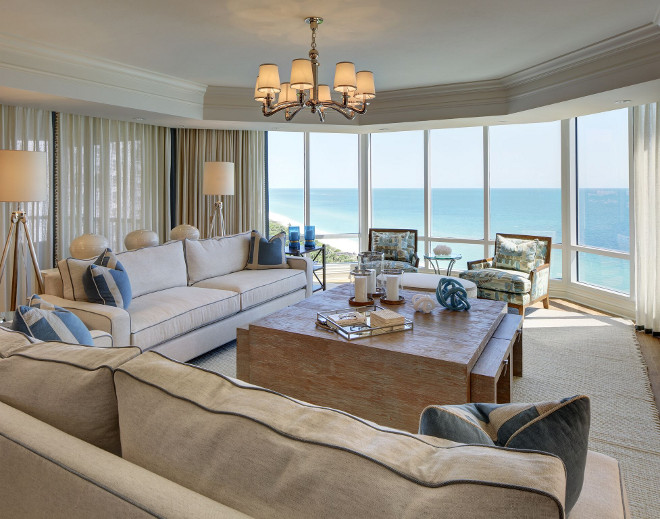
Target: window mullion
(486,152)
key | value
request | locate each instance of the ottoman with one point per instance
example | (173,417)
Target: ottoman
(429,282)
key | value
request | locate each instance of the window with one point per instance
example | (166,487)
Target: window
(286,177)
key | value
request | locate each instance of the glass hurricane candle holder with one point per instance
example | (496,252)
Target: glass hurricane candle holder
(373,260)
(392,287)
(294,237)
(310,236)
(360,278)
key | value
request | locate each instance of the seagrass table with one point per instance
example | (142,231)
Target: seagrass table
(388,378)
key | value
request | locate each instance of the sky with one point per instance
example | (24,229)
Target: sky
(521,156)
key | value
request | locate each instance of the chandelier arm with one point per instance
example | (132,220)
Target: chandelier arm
(288,116)
(348,112)
(279,107)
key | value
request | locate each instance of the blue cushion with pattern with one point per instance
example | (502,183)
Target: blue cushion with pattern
(267,254)
(47,322)
(106,282)
(560,428)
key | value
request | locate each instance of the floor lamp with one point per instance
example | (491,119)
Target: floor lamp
(23,178)
(218,180)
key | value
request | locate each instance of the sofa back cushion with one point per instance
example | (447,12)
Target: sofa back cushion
(268,455)
(72,271)
(67,386)
(216,256)
(155,268)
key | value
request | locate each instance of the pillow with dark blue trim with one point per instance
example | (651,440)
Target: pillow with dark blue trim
(106,282)
(267,254)
(560,428)
(47,322)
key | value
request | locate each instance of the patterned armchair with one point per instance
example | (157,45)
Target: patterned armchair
(518,273)
(399,246)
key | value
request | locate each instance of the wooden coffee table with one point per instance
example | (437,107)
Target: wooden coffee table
(389,378)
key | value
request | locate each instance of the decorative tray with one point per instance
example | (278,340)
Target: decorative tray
(331,320)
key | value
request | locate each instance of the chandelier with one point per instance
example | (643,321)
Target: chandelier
(304,90)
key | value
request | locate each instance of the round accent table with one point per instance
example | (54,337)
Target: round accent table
(435,261)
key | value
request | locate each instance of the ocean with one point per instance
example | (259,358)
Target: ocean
(458,213)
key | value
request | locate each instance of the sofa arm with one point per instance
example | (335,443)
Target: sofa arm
(101,339)
(306,264)
(115,321)
(485,263)
(53,282)
(539,278)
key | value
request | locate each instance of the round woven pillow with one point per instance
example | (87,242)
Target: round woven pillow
(452,295)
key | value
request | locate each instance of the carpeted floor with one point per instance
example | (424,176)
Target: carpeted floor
(570,353)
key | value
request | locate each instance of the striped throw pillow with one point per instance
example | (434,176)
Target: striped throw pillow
(267,254)
(47,322)
(106,282)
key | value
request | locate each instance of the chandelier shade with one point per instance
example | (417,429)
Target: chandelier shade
(304,91)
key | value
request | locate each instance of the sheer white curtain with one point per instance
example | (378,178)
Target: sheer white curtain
(27,129)
(113,179)
(646,131)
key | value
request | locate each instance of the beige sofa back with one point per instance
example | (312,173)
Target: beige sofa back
(216,256)
(268,455)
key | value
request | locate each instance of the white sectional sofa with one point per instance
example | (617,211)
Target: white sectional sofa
(188,296)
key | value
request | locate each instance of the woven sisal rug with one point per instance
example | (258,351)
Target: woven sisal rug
(566,354)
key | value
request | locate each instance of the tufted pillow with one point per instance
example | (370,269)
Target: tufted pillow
(267,254)
(48,322)
(560,428)
(515,254)
(106,282)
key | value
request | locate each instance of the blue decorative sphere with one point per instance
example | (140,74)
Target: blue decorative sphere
(452,295)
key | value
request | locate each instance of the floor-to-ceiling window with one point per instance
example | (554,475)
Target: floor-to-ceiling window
(286,180)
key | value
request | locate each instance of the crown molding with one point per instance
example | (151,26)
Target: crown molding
(29,65)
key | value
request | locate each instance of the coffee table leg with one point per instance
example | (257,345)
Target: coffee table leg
(518,354)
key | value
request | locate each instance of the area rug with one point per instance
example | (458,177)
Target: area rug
(567,354)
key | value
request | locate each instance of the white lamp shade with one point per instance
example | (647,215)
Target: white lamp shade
(301,74)
(218,178)
(365,85)
(268,80)
(258,96)
(287,94)
(345,79)
(23,176)
(324,93)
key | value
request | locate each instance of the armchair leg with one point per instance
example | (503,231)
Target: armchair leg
(546,302)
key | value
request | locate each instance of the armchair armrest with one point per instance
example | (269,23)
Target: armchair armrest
(480,264)
(414,260)
(305,264)
(539,277)
(115,321)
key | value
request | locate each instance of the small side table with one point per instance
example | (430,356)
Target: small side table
(317,255)
(435,262)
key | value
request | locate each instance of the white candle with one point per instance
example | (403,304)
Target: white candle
(361,289)
(392,288)
(372,282)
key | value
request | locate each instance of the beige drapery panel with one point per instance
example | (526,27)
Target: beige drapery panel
(26,129)
(114,178)
(246,149)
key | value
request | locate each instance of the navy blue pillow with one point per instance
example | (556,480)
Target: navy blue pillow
(107,283)
(47,322)
(267,254)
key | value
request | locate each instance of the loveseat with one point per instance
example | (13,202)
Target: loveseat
(110,432)
(188,296)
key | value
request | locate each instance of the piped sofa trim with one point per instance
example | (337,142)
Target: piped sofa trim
(79,474)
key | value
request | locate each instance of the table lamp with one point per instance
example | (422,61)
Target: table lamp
(23,178)
(218,180)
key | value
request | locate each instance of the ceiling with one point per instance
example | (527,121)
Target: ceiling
(195,63)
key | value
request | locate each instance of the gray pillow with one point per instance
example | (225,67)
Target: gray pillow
(560,428)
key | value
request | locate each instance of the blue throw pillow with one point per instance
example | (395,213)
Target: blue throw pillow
(560,428)
(267,254)
(107,283)
(47,322)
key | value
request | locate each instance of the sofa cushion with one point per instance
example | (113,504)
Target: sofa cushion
(216,256)
(163,315)
(72,271)
(267,254)
(560,428)
(268,455)
(48,322)
(513,281)
(515,254)
(12,340)
(155,268)
(106,282)
(67,386)
(258,286)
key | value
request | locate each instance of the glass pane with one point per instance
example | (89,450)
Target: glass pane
(457,183)
(603,271)
(469,251)
(555,264)
(397,176)
(602,173)
(286,176)
(340,250)
(334,183)
(525,179)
